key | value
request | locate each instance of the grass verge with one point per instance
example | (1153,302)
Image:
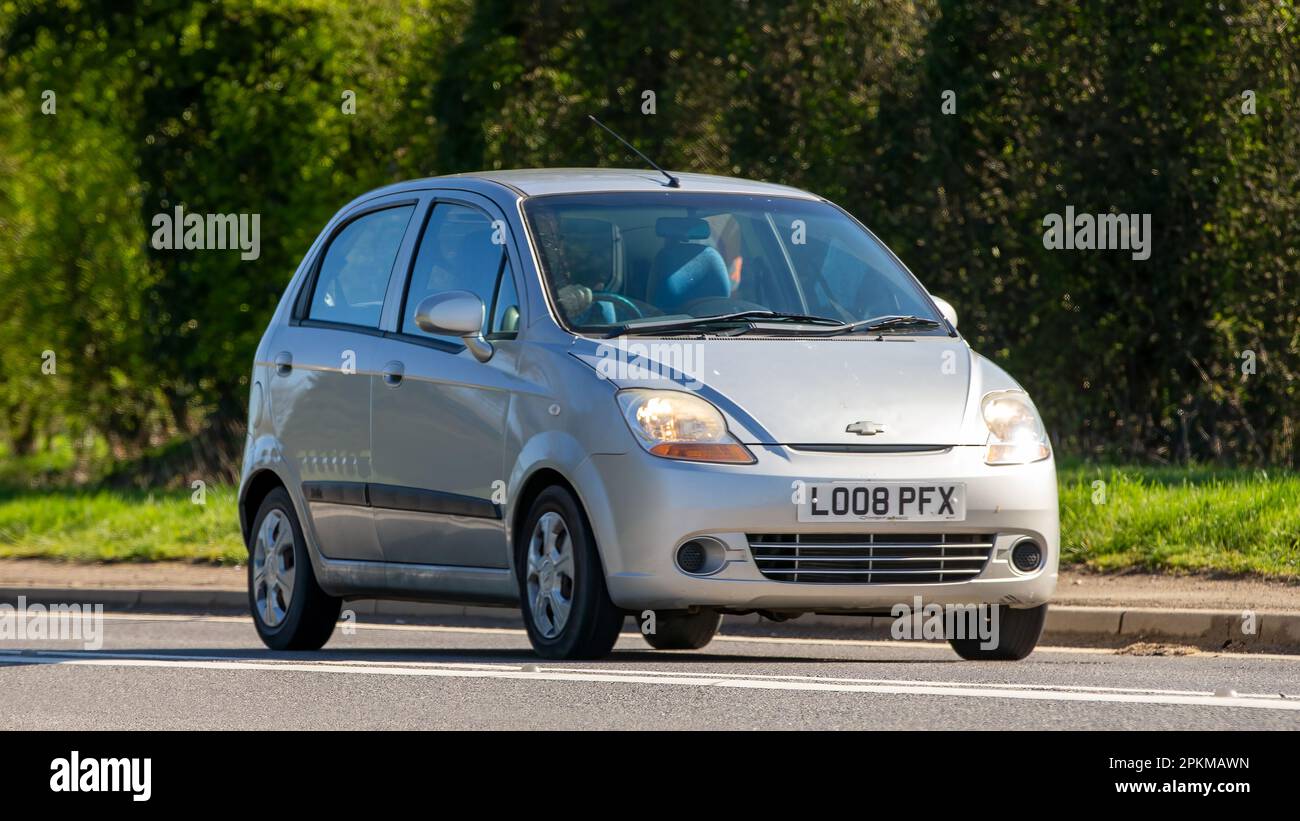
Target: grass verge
(117,526)
(1207,520)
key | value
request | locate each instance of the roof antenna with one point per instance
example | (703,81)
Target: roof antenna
(673,182)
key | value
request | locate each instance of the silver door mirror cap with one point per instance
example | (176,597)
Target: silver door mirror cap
(455,313)
(945,308)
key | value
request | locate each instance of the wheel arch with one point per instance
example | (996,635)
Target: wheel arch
(538,481)
(255,490)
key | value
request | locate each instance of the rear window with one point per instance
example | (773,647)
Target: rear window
(354,272)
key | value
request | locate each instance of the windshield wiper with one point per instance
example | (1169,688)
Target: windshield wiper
(887,323)
(751,319)
(702,322)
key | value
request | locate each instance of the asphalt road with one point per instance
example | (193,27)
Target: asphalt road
(211,672)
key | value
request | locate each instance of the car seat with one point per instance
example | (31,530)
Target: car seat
(685,269)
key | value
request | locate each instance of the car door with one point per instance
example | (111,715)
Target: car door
(325,359)
(439,413)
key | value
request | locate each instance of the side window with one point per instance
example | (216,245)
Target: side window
(460,251)
(354,273)
(505,313)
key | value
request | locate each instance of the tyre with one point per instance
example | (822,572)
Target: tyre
(684,631)
(1017,635)
(566,606)
(290,610)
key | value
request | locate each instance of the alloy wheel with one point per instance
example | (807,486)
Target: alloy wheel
(550,574)
(273,568)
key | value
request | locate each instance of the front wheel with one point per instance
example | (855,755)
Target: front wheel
(1015,637)
(290,610)
(567,609)
(684,631)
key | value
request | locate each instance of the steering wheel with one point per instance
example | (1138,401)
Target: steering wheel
(618,299)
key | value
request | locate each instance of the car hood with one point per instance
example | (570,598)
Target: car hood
(911,391)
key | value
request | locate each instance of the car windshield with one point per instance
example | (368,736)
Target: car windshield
(617,260)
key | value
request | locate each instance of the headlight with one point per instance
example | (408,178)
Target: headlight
(1016,434)
(677,425)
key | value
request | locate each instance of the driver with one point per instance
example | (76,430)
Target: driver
(587,266)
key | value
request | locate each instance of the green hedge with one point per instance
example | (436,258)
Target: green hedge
(1132,107)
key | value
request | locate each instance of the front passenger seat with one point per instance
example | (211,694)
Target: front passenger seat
(685,270)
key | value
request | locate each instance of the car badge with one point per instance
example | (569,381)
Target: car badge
(865,428)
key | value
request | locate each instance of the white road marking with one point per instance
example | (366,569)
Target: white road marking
(778,640)
(949,689)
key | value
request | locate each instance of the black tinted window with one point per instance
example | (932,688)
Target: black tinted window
(354,273)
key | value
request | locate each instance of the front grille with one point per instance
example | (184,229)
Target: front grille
(870,558)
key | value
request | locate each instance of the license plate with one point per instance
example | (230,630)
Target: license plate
(878,501)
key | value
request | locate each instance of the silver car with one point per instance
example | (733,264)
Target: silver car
(594,393)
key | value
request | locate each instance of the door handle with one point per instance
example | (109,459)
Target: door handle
(393,373)
(283,363)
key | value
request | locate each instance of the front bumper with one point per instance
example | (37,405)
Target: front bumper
(643,507)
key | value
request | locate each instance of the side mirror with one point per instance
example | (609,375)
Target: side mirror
(945,308)
(455,313)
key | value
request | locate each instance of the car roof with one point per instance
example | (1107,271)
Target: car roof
(536,182)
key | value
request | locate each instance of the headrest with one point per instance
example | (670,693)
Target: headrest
(682,228)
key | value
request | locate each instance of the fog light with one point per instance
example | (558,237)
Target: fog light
(690,557)
(1027,556)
